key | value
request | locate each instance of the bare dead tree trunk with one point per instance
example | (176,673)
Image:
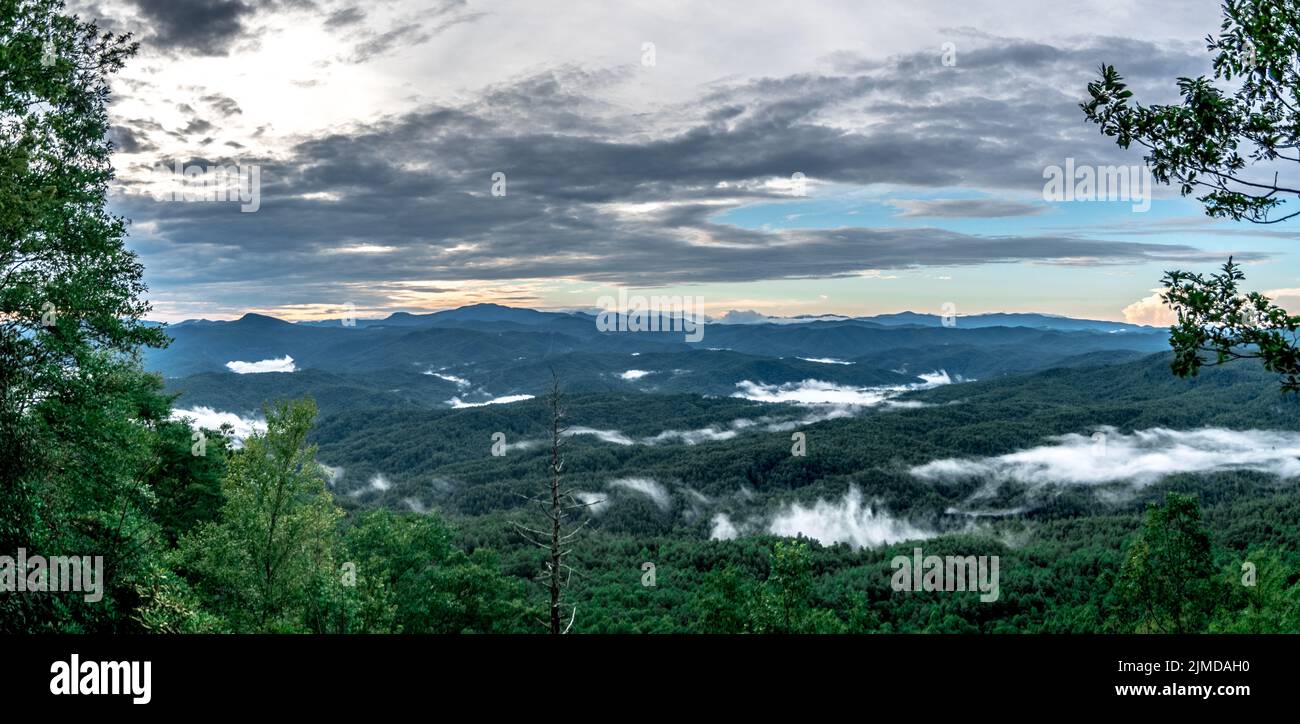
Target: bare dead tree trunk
(557,511)
(556,507)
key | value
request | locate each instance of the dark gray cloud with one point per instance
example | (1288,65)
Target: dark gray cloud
(378,44)
(601,194)
(222,104)
(345,17)
(127,140)
(964,208)
(409,31)
(198,27)
(195,126)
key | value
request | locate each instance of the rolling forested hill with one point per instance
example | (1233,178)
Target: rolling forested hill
(1040,446)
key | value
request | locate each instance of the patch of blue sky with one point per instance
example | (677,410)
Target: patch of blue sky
(1169,220)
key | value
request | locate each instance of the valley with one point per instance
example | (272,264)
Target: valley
(1020,440)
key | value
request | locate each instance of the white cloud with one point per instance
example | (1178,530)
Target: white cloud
(1154,312)
(985,513)
(635,374)
(742,316)
(812,392)
(750,316)
(934,379)
(817,392)
(210,419)
(1288,299)
(1142,457)
(460,381)
(595,502)
(356,248)
(415,505)
(522,445)
(723,528)
(1151,311)
(613,436)
(715,433)
(825,360)
(846,521)
(332,474)
(284,364)
(644,486)
(458,403)
(692,437)
(378,483)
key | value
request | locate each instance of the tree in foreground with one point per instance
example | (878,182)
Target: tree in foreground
(411,578)
(75,430)
(1263,598)
(1166,583)
(275,536)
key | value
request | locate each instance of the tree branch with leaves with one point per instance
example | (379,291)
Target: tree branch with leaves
(1233,138)
(1217,323)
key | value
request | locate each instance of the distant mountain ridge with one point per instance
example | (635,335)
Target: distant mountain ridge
(482,352)
(1008,319)
(494,334)
(490,312)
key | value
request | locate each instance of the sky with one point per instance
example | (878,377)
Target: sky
(805,157)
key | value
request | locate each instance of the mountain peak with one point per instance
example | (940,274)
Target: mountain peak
(253,318)
(489,312)
(489,306)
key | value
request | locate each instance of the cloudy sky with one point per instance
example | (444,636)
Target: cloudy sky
(795,158)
